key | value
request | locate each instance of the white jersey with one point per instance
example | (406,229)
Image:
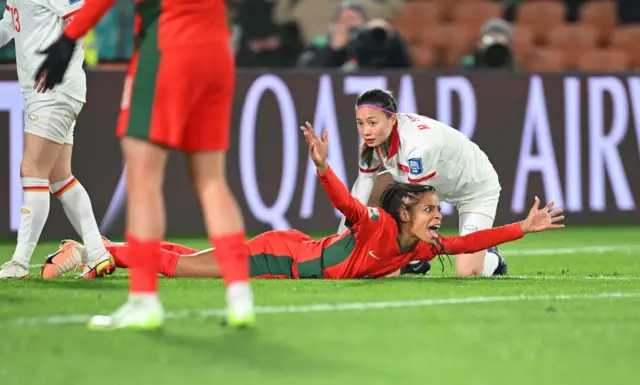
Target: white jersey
(425,151)
(36,24)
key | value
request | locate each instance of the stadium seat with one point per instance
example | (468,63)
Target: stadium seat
(602,15)
(605,60)
(541,16)
(522,41)
(423,56)
(627,38)
(474,14)
(415,16)
(573,40)
(447,7)
(545,60)
(451,41)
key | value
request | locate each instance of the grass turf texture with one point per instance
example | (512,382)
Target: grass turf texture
(503,339)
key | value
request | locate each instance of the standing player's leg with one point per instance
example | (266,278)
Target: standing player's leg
(206,145)
(78,209)
(473,216)
(148,112)
(46,125)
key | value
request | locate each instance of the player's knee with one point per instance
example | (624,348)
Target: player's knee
(31,168)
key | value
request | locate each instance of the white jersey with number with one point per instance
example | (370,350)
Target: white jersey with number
(426,151)
(36,24)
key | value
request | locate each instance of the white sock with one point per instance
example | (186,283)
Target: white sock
(77,206)
(491,262)
(239,296)
(145,299)
(35,210)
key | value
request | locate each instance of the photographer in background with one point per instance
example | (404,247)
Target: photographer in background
(353,43)
(493,49)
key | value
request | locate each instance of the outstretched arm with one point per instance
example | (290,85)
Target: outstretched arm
(482,239)
(538,220)
(361,191)
(340,197)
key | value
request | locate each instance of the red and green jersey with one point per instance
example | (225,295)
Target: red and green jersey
(174,23)
(370,248)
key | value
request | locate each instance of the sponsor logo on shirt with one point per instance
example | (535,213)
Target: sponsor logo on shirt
(415,166)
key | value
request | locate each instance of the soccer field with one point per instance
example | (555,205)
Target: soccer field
(569,313)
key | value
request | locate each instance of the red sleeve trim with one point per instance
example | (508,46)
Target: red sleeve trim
(424,178)
(369,170)
(402,167)
(68,15)
(8,8)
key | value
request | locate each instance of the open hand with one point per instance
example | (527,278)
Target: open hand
(542,219)
(318,148)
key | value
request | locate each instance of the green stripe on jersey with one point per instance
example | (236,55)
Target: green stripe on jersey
(144,82)
(333,255)
(263,264)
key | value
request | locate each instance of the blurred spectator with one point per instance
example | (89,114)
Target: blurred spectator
(493,49)
(331,50)
(262,42)
(629,11)
(353,43)
(313,16)
(377,45)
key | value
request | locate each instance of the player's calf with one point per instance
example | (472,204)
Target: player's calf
(77,205)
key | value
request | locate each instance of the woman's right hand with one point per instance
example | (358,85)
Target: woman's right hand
(318,148)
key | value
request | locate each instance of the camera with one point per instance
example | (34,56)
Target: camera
(495,51)
(368,45)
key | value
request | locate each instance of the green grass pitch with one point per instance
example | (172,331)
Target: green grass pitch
(568,314)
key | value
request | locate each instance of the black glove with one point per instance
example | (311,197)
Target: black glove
(55,64)
(417,267)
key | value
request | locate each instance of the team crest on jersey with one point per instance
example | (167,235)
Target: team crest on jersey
(415,166)
(373,213)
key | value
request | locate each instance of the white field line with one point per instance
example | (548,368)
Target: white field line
(568,277)
(553,251)
(75,319)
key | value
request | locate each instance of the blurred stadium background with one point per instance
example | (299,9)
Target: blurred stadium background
(547,35)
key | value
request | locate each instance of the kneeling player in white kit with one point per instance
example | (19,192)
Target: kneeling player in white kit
(417,149)
(49,120)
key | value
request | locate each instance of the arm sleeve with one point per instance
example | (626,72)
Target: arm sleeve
(6,27)
(482,239)
(471,243)
(341,199)
(86,18)
(361,189)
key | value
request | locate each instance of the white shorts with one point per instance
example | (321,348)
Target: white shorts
(52,116)
(478,213)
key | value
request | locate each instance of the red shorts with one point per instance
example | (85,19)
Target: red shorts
(277,254)
(180,98)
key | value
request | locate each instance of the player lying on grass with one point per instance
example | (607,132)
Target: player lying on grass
(378,243)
